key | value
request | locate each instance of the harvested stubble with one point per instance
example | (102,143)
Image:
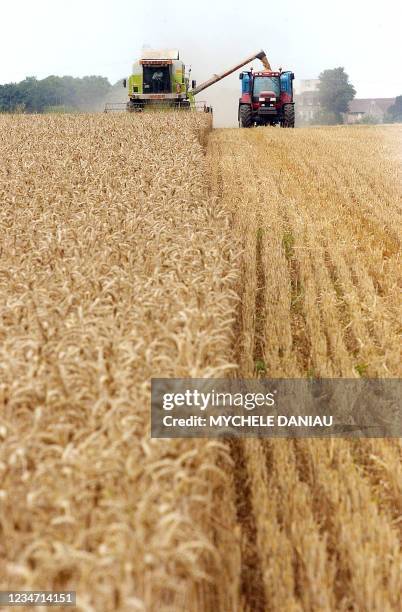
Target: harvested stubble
(115,266)
(318,212)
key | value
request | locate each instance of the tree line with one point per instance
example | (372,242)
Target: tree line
(67,93)
(34,95)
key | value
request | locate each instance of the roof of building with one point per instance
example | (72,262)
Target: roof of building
(364,105)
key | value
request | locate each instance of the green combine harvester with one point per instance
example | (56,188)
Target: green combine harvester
(159,81)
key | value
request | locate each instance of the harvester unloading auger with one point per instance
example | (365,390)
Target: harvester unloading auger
(159,81)
(217,77)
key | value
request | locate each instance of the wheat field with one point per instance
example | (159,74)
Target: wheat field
(144,246)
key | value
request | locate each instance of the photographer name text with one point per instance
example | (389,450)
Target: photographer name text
(251,420)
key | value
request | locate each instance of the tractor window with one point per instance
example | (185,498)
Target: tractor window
(266,84)
(156,79)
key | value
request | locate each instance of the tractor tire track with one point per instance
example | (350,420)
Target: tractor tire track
(251,583)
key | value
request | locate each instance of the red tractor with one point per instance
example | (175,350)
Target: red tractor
(267,99)
(267,96)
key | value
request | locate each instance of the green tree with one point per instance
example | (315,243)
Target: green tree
(10,97)
(335,93)
(90,92)
(33,95)
(394,114)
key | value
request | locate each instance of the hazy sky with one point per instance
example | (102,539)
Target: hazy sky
(79,37)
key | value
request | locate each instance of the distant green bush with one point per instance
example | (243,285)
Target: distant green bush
(369,120)
(325,117)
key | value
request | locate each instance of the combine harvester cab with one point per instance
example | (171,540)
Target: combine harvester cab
(266,99)
(158,80)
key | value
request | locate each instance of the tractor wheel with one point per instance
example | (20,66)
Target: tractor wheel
(288,116)
(246,116)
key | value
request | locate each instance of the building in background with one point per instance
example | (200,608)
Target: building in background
(368,108)
(308,104)
(307,100)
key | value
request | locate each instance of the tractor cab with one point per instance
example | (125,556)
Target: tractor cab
(266,86)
